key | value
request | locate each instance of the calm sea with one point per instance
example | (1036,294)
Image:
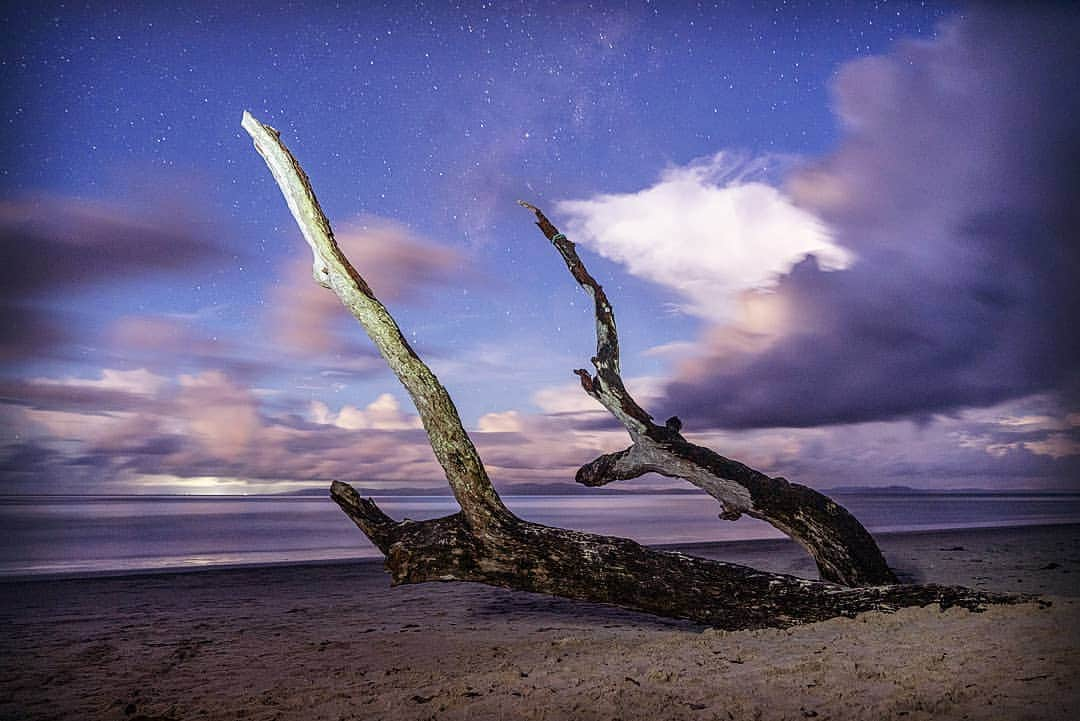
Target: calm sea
(43,535)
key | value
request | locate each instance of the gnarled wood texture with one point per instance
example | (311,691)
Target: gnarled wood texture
(530,557)
(843,550)
(486,543)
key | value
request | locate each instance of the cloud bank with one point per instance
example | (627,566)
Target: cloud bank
(138,431)
(58,246)
(924,271)
(954,190)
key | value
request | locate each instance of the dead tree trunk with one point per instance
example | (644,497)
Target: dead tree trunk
(844,551)
(486,543)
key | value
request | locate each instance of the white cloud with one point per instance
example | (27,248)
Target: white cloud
(571,399)
(1037,424)
(383,414)
(1057,445)
(705,230)
(505,422)
(69,425)
(220,413)
(1029,423)
(137,382)
(565,398)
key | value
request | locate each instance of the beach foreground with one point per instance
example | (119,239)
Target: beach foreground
(336,642)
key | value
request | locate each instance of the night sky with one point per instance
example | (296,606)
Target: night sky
(840,239)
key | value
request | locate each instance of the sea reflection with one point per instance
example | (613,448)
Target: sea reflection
(123,533)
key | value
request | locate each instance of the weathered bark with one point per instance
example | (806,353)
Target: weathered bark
(843,550)
(451,444)
(530,557)
(487,543)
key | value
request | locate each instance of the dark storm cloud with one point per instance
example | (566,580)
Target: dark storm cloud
(27,457)
(56,246)
(956,186)
(25,330)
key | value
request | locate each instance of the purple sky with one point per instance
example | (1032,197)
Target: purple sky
(840,240)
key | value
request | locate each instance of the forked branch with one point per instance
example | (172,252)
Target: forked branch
(843,550)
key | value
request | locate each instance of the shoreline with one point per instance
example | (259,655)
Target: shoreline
(741,551)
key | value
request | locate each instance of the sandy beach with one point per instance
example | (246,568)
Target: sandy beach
(336,641)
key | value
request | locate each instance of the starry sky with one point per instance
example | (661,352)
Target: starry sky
(840,238)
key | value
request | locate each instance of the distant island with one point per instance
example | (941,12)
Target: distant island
(897,490)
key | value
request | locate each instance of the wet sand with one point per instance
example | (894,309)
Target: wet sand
(337,642)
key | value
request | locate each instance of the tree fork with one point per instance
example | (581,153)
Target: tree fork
(844,551)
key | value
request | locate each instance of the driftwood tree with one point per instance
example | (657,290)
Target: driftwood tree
(485,542)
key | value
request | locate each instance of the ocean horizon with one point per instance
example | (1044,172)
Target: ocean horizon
(64,535)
